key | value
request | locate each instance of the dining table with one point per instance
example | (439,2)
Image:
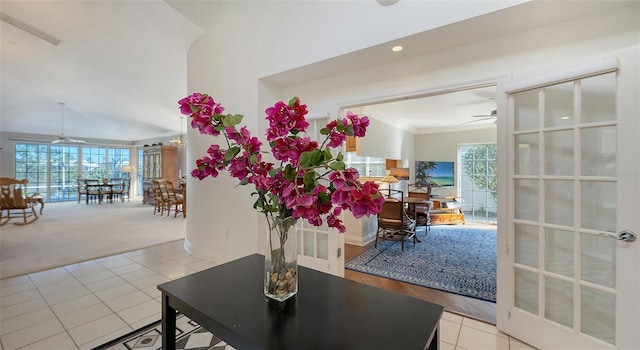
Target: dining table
(412,206)
(413,202)
(102,188)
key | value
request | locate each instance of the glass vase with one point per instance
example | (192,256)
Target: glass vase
(281,259)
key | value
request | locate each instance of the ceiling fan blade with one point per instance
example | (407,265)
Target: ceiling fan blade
(494,114)
(77,141)
(478,120)
(56,141)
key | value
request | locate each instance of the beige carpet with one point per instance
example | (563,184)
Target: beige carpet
(68,233)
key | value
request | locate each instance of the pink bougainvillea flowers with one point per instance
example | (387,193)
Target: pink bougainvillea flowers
(309,183)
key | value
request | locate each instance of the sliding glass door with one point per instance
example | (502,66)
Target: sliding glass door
(478,182)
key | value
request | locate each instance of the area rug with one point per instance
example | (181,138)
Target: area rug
(454,259)
(189,336)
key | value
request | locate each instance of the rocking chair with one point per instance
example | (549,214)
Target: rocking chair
(12,201)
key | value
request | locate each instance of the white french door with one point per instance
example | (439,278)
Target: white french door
(568,269)
(320,248)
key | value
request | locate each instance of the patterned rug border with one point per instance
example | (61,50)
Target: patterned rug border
(122,338)
(185,329)
(419,267)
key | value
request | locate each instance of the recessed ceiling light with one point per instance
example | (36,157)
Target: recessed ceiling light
(565,118)
(397,48)
(387,2)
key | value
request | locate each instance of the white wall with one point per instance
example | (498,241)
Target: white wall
(228,62)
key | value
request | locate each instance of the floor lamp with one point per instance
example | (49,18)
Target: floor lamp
(390,179)
(127,169)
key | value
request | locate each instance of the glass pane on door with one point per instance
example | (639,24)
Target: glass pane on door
(564,196)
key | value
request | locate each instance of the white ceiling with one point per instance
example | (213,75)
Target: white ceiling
(459,110)
(121,66)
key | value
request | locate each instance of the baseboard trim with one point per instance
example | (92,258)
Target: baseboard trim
(203,254)
(360,241)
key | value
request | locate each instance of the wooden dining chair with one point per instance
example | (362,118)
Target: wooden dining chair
(117,189)
(94,192)
(160,198)
(82,189)
(176,199)
(393,222)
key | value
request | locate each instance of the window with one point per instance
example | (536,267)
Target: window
(32,164)
(53,170)
(366,166)
(118,157)
(64,173)
(140,179)
(94,163)
(478,182)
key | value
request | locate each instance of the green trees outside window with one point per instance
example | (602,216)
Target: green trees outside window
(53,170)
(478,182)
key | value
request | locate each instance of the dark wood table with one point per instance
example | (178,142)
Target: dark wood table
(328,312)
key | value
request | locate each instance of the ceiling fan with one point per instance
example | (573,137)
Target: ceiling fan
(62,138)
(481,117)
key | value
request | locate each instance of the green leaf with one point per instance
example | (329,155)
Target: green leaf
(327,155)
(309,180)
(348,130)
(273,172)
(219,127)
(324,198)
(339,157)
(305,159)
(310,159)
(324,131)
(231,153)
(253,159)
(231,119)
(289,173)
(337,165)
(292,102)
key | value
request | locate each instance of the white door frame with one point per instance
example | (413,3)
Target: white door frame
(533,329)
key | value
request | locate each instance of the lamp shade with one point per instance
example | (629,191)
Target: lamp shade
(390,179)
(127,169)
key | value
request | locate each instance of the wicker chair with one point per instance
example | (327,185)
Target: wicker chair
(13,203)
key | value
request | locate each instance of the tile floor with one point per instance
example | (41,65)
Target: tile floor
(83,305)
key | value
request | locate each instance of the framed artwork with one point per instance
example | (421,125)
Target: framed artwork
(437,174)
(400,173)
